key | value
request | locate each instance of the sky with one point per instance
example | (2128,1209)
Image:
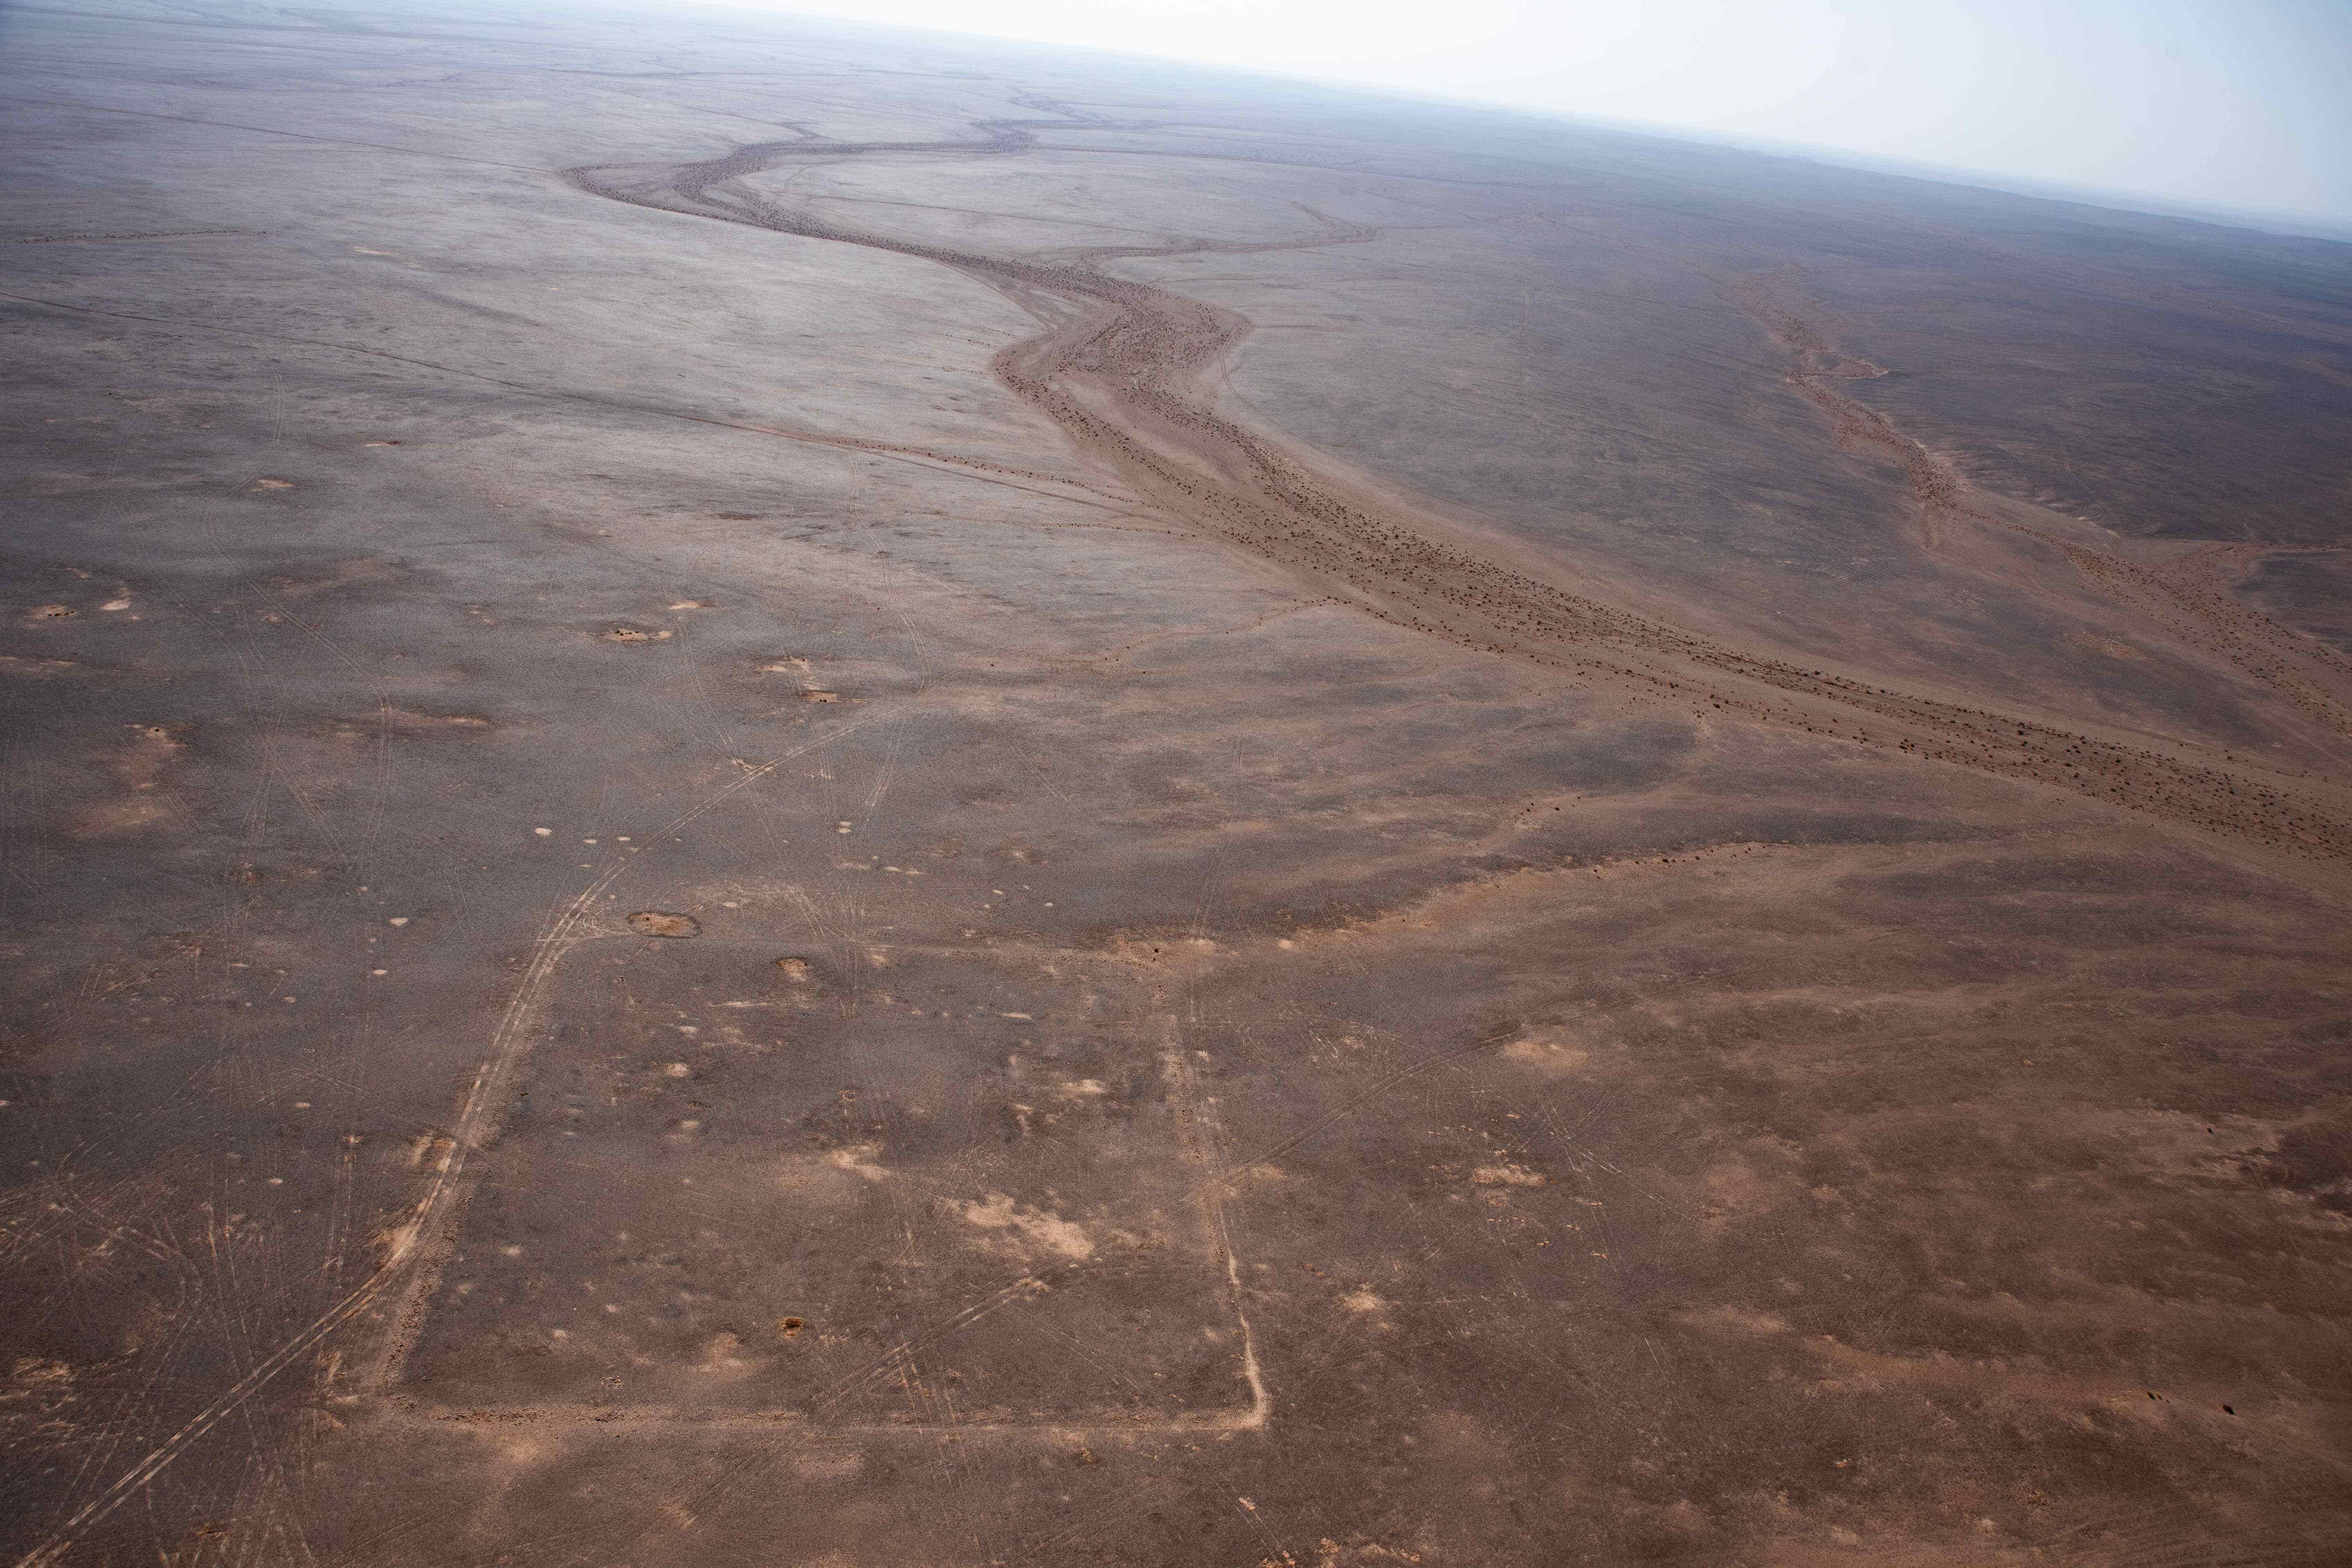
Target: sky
(2243,103)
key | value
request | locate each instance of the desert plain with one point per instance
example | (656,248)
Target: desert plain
(786,795)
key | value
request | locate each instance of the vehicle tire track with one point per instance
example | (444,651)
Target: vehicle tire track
(414,1251)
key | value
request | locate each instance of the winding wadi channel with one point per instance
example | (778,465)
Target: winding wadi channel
(1123,368)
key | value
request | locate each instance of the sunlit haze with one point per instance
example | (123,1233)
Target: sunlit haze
(2238,103)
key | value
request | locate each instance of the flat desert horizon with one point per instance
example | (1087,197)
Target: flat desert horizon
(783,795)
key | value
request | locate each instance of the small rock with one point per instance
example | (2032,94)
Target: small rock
(661,922)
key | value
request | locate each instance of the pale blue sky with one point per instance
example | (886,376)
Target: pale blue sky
(2246,103)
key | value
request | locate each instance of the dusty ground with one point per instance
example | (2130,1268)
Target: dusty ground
(779,796)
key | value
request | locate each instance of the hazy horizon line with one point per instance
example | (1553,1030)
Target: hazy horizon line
(2289,222)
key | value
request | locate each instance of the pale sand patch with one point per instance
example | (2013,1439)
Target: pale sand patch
(1051,1232)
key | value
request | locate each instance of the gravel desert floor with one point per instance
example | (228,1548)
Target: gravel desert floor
(788,795)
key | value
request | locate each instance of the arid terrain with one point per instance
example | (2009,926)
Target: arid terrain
(791,797)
